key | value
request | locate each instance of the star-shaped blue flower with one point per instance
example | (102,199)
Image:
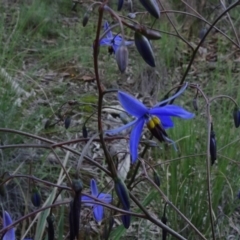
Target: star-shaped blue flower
(10,234)
(97,209)
(111,40)
(157,119)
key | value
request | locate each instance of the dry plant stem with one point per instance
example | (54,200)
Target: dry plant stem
(175,29)
(223,96)
(101,91)
(63,168)
(200,43)
(230,20)
(156,221)
(4,230)
(204,20)
(35,179)
(171,204)
(8,130)
(86,140)
(208,170)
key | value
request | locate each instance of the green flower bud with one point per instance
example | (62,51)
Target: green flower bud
(122,57)
(156,178)
(144,48)
(77,185)
(152,7)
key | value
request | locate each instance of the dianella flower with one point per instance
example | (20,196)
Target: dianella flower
(112,41)
(157,119)
(97,209)
(7,220)
(10,234)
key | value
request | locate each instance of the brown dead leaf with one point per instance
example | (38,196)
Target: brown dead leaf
(87,78)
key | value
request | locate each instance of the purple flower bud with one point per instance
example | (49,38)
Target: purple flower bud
(50,220)
(47,124)
(36,198)
(202,33)
(144,48)
(213,147)
(195,104)
(236,117)
(152,7)
(122,57)
(126,220)
(85,18)
(151,34)
(122,193)
(84,131)
(67,122)
(120,4)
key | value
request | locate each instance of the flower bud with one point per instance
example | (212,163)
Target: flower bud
(152,7)
(67,122)
(195,104)
(36,198)
(144,48)
(164,232)
(122,193)
(236,117)
(47,124)
(120,4)
(213,147)
(151,34)
(202,33)
(2,189)
(77,185)
(85,18)
(122,57)
(156,178)
(126,220)
(84,131)
(50,220)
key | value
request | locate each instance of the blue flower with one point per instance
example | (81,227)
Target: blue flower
(7,220)
(10,234)
(111,40)
(97,209)
(157,119)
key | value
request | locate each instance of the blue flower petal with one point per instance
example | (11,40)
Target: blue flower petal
(120,129)
(106,27)
(107,198)
(171,110)
(132,105)
(105,42)
(86,198)
(7,220)
(94,188)
(135,138)
(98,212)
(184,87)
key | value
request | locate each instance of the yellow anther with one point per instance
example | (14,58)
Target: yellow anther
(153,122)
